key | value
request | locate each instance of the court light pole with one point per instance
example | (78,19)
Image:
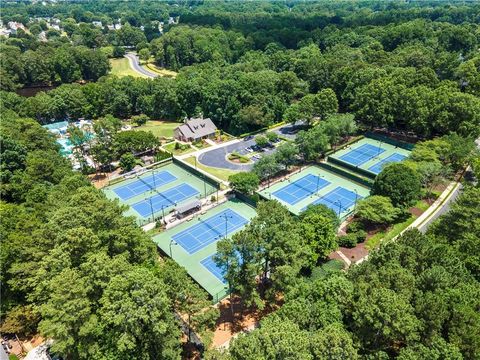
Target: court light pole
(356,199)
(151,208)
(339,207)
(154,183)
(174,243)
(226,217)
(163,214)
(205,187)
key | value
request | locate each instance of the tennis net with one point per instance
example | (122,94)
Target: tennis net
(158,192)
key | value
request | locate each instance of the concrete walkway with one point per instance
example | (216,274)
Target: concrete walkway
(439,207)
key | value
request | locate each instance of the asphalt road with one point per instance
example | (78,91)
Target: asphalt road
(444,209)
(135,65)
(218,156)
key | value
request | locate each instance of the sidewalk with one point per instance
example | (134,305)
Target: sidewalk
(429,214)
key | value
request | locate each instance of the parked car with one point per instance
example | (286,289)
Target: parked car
(249,137)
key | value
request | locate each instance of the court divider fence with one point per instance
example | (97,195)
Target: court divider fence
(347,174)
(363,172)
(122,177)
(343,146)
(385,139)
(246,199)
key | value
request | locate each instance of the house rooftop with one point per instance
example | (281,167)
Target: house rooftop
(197,127)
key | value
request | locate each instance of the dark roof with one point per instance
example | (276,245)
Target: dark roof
(197,127)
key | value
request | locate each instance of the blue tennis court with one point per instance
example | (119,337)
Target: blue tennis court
(164,199)
(362,154)
(300,189)
(339,199)
(208,231)
(146,183)
(377,168)
(213,268)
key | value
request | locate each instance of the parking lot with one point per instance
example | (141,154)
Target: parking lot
(218,157)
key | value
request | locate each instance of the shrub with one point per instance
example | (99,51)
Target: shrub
(272,136)
(348,241)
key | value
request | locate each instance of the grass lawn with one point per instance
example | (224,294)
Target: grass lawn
(159,128)
(184,150)
(160,71)
(121,67)
(222,174)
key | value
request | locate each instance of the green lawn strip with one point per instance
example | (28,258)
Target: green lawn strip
(121,67)
(183,150)
(396,229)
(222,174)
(201,144)
(159,128)
(160,71)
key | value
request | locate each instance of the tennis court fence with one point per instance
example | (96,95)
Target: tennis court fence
(121,177)
(365,181)
(196,172)
(385,139)
(246,199)
(363,172)
(219,296)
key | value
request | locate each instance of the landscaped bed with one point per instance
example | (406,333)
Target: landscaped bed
(238,158)
(177,148)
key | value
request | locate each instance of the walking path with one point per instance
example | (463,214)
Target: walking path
(439,207)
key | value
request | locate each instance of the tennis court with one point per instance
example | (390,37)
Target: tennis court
(300,189)
(332,189)
(368,156)
(159,191)
(193,243)
(377,168)
(164,199)
(209,230)
(339,199)
(362,154)
(213,268)
(144,184)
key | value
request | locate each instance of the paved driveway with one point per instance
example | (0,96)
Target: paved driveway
(218,157)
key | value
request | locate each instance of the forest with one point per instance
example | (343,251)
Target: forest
(73,268)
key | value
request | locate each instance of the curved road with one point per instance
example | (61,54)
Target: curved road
(444,208)
(135,65)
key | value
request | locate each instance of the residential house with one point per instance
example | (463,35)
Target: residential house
(195,129)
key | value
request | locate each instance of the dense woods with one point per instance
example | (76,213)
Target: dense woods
(416,298)
(73,268)
(241,67)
